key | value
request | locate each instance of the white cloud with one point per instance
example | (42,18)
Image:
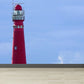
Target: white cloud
(61,60)
(71,57)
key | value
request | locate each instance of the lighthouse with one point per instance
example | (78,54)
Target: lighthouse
(18,49)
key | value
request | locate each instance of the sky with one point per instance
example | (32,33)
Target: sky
(53,30)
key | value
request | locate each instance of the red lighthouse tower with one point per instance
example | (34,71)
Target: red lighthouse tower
(18,50)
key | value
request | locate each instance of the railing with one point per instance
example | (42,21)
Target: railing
(18,18)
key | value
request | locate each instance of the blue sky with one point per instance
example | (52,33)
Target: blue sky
(54,31)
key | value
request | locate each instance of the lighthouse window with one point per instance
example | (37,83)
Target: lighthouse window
(18,12)
(18,26)
(15,12)
(15,47)
(21,26)
(21,12)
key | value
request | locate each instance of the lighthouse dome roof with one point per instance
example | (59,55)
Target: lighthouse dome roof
(18,7)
